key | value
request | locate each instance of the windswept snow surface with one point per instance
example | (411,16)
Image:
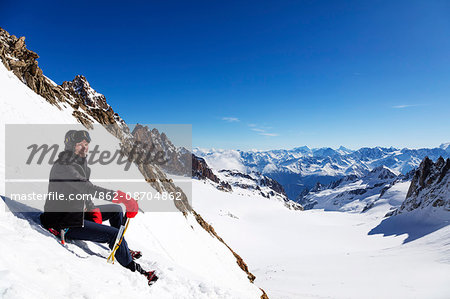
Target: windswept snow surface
(190,262)
(329,254)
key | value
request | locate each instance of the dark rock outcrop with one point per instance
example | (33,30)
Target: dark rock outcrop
(22,62)
(201,170)
(430,186)
(272,184)
(81,87)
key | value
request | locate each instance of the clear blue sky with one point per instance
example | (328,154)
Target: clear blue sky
(256,74)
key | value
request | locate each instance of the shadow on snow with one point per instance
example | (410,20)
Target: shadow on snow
(413,225)
(31,215)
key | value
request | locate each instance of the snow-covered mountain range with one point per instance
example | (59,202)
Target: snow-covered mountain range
(301,168)
(353,193)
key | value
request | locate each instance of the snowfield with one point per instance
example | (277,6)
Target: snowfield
(33,264)
(328,254)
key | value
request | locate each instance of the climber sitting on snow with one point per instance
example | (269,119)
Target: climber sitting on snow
(81,219)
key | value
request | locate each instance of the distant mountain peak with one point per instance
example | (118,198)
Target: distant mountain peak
(301,149)
(343,148)
(445,146)
(383,172)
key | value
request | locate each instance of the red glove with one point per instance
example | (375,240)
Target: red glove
(95,215)
(130,204)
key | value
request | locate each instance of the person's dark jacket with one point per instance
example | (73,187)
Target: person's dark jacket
(69,178)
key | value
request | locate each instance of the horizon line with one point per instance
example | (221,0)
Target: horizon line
(324,147)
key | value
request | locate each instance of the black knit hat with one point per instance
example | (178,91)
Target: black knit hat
(73,137)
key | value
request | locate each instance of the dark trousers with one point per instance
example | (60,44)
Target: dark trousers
(104,233)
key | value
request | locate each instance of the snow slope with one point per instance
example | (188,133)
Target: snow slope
(190,262)
(328,254)
(21,105)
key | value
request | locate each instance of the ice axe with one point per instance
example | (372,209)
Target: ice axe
(119,238)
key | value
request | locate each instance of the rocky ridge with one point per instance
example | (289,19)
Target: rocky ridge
(174,160)
(88,106)
(430,187)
